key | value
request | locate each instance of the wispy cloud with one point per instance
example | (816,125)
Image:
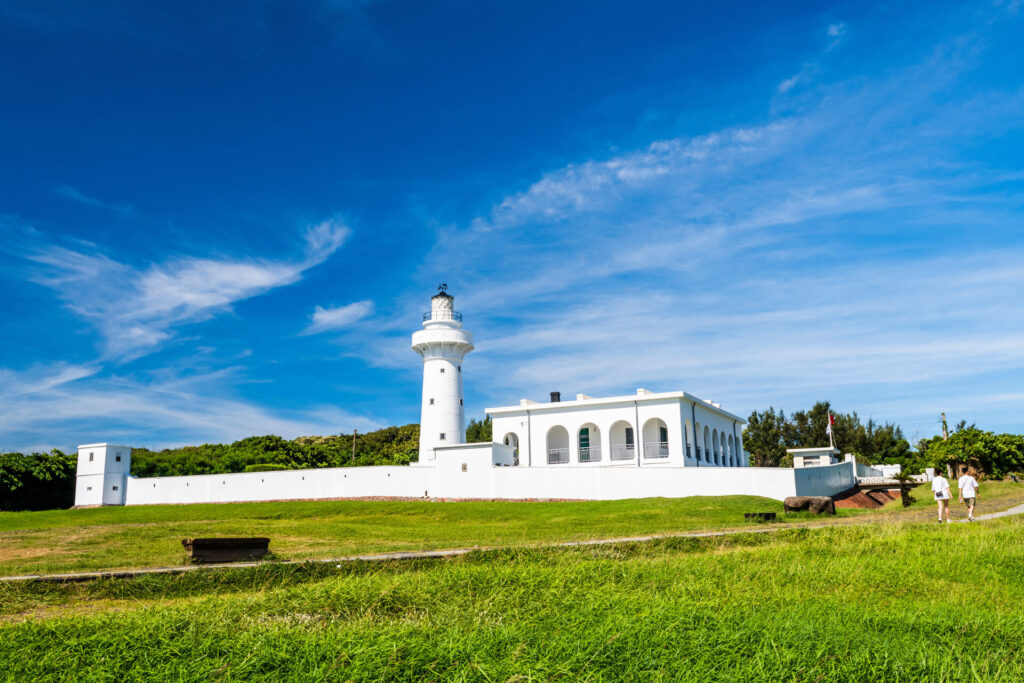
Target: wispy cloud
(789,83)
(82,198)
(61,406)
(327,319)
(812,69)
(836,33)
(784,261)
(137,309)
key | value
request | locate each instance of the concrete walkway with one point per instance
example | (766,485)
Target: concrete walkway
(1019,510)
(455,552)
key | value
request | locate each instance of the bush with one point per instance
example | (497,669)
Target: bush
(265,467)
(40,481)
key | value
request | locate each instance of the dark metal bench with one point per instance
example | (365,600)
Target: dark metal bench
(225,549)
(759,516)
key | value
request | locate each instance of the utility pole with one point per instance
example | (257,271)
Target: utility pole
(354,432)
(945,437)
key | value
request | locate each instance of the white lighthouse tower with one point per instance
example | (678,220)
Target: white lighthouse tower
(442,343)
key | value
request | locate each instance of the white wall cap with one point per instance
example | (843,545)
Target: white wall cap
(102,445)
(824,449)
(462,446)
(646,398)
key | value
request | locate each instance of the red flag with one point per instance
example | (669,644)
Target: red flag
(831,421)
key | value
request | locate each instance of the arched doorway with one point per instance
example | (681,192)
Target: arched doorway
(623,441)
(589,443)
(655,439)
(558,445)
(512,439)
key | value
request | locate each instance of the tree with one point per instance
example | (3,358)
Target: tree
(905,479)
(479,431)
(770,433)
(988,453)
(764,437)
(39,481)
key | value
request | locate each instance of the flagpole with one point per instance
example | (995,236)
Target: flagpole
(831,440)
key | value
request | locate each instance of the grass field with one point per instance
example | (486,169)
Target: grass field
(147,536)
(881,602)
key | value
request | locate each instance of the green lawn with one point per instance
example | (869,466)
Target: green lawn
(146,536)
(104,538)
(873,602)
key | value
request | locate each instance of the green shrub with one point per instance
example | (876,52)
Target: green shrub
(40,481)
(265,467)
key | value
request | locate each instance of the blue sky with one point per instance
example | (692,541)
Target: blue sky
(227,220)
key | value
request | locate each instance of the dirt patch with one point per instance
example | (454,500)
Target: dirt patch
(8,554)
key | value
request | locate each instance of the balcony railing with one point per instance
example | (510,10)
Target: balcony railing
(658,449)
(623,451)
(442,315)
(558,456)
(591,454)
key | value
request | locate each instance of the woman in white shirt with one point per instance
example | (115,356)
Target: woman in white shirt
(940,487)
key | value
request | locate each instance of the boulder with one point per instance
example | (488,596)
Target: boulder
(819,505)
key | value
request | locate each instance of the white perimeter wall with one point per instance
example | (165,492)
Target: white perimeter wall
(468,472)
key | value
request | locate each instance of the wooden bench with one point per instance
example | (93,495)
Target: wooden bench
(203,550)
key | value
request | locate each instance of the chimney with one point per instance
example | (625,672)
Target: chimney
(556,396)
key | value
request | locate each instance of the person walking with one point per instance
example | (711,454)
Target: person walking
(967,491)
(940,487)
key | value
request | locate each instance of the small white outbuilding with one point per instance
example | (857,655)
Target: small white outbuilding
(102,474)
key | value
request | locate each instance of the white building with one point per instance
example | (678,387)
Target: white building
(102,474)
(669,444)
(642,430)
(813,457)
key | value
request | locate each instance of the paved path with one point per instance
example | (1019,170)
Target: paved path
(455,552)
(1019,510)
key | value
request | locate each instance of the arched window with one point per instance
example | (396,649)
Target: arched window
(717,448)
(707,445)
(558,445)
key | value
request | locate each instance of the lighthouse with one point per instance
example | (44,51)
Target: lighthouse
(442,344)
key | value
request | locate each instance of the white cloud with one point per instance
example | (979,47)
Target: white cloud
(62,406)
(837,33)
(136,310)
(595,186)
(325,319)
(787,85)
